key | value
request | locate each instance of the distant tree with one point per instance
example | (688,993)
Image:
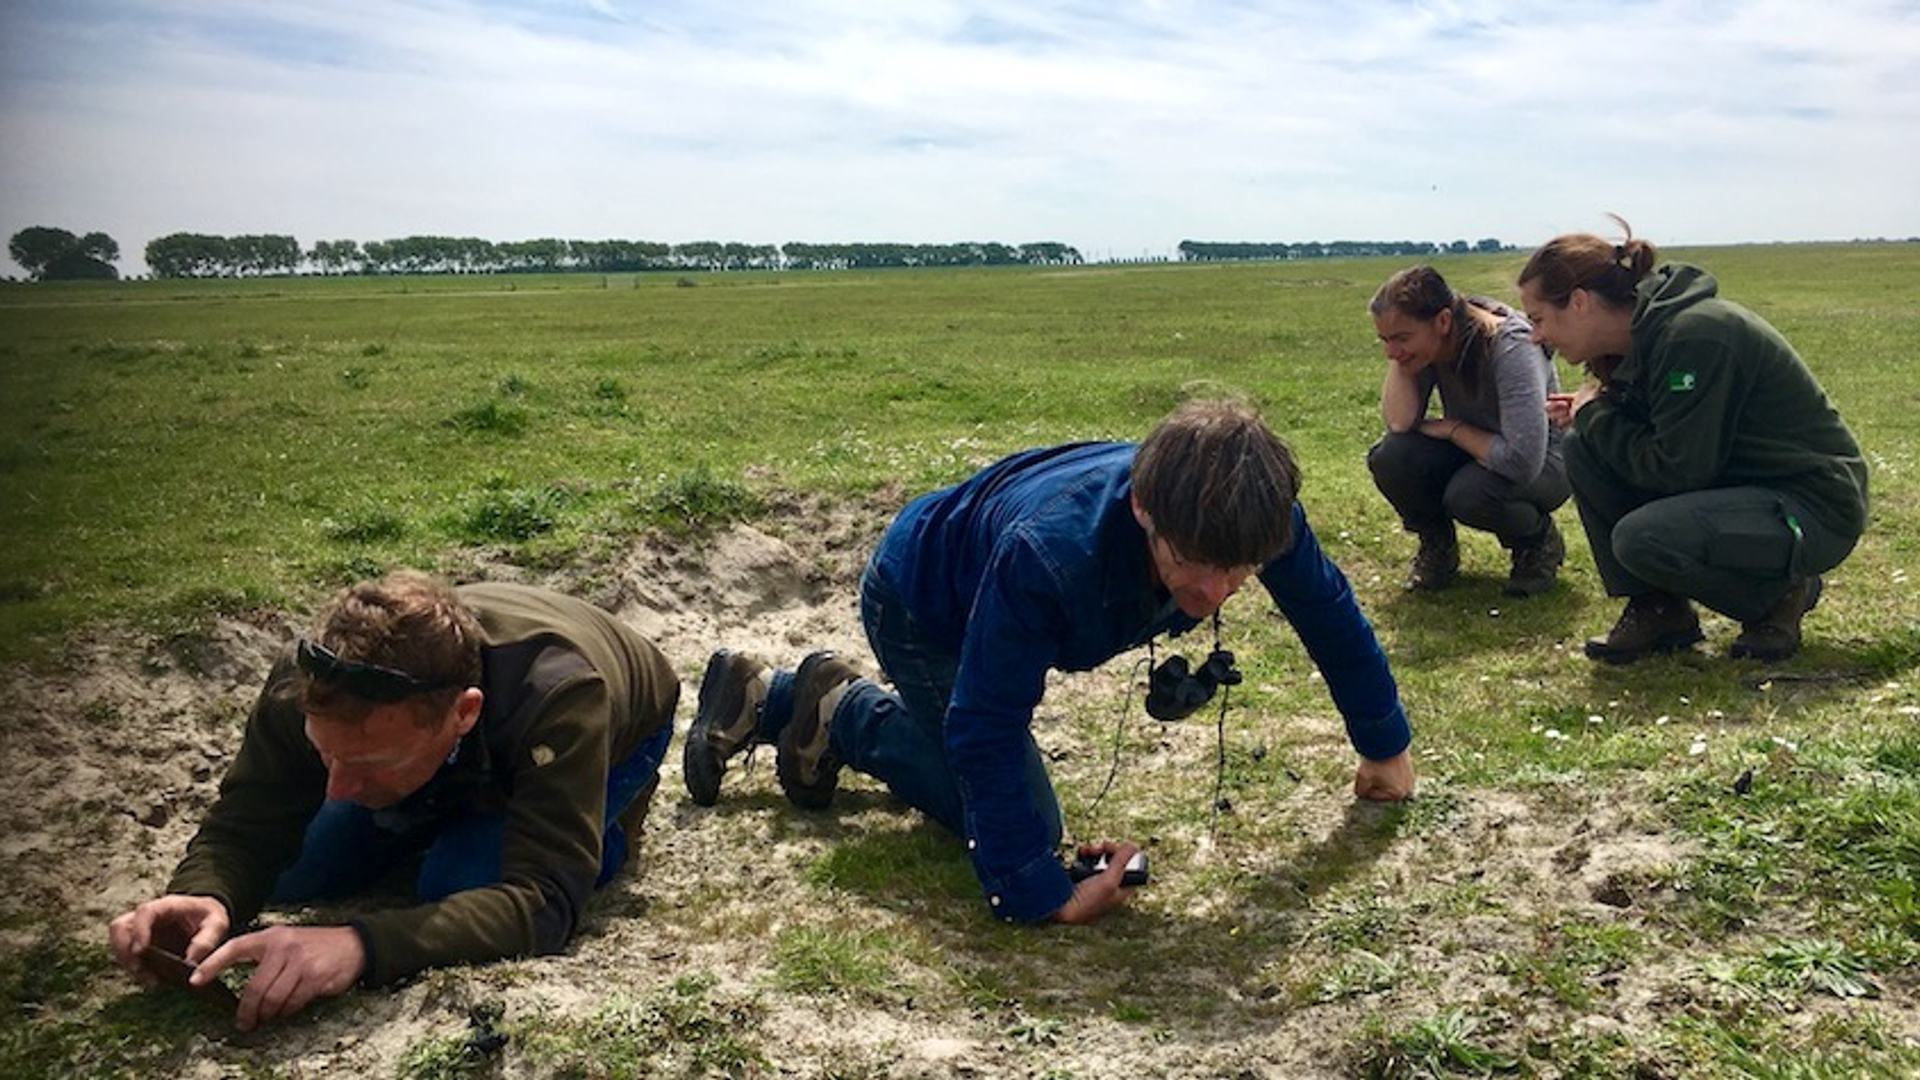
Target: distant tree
(190,255)
(50,254)
(1049,253)
(336,256)
(261,256)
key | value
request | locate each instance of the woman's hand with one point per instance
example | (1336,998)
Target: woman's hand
(1562,408)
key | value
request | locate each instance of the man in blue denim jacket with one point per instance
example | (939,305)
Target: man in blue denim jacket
(1057,558)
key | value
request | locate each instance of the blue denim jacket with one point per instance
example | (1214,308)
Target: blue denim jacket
(1037,563)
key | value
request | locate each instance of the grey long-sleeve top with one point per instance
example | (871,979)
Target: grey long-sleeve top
(1510,400)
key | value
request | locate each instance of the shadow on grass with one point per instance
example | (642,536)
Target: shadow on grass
(1173,960)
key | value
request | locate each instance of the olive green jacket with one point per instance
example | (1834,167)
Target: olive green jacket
(1711,396)
(567,690)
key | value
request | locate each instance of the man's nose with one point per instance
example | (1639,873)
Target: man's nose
(343,784)
(1218,585)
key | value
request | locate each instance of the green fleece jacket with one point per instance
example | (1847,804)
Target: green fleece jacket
(1711,396)
(567,690)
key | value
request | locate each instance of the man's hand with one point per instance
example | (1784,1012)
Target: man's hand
(294,965)
(1101,893)
(1385,781)
(194,924)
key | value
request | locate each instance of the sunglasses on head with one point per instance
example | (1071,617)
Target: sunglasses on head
(369,681)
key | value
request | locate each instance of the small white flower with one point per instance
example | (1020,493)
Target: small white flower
(1699,747)
(1596,718)
(1661,720)
(1554,733)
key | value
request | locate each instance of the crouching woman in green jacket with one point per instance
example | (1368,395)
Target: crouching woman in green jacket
(1706,461)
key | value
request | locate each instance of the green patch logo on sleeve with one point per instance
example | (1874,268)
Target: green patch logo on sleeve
(1680,382)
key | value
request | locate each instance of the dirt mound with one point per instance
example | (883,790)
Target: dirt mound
(121,751)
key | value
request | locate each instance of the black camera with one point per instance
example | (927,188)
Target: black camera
(1175,690)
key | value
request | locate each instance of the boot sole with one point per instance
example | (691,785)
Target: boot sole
(1738,651)
(1530,588)
(720,696)
(1743,650)
(1672,643)
(799,736)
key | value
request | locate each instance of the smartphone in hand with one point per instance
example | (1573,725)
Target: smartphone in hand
(1087,866)
(172,969)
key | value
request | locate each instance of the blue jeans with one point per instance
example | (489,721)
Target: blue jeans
(898,736)
(348,847)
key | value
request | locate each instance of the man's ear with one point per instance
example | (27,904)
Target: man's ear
(1139,513)
(466,709)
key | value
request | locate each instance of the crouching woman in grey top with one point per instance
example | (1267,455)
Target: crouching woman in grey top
(1490,461)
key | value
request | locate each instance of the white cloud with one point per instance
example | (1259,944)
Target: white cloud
(1121,129)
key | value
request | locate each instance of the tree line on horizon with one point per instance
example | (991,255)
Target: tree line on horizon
(1241,251)
(57,254)
(192,255)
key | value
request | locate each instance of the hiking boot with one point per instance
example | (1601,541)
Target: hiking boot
(1536,563)
(731,693)
(809,769)
(1437,561)
(1655,622)
(1776,635)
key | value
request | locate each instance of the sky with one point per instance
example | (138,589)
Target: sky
(1120,128)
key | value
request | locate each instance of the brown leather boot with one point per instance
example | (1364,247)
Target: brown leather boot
(1655,622)
(731,693)
(808,769)
(1536,564)
(1438,560)
(1776,635)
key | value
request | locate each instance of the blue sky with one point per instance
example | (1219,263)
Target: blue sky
(1120,128)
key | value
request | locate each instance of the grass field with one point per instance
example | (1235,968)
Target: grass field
(1686,867)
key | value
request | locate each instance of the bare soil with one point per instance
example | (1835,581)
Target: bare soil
(114,757)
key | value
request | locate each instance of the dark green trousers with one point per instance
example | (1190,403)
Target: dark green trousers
(1732,549)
